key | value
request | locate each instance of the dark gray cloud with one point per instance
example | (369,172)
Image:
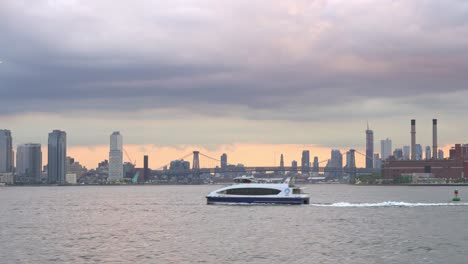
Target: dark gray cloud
(263,56)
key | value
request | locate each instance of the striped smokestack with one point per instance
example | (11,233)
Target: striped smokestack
(434,138)
(413,139)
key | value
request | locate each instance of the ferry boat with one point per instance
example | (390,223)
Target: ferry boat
(248,190)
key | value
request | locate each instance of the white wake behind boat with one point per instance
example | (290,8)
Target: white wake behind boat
(247,190)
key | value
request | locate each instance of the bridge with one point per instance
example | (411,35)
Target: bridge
(214,166)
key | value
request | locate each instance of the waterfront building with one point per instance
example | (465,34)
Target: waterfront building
(28,163)
(6,151)
(428,153)
(406,152)
(179,165)
(453,168)
(305,161)
(116,157)
(459,151)
(369,148)
(57,153)
(70,178)
(440,154)
(385,148)
(316,164)
(282,161)
(129,169)
(418,152)
(74,167)
(224,161)
(7,177)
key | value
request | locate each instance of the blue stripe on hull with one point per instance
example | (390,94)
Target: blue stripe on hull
(267,200)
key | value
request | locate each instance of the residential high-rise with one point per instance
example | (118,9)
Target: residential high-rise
(6,151)
(29,163)
(428,153)
(335,164)
(406,152)
(116,157)
(224,162)
(57,154)
(316,164)
(350,159)
(350,166)
(305,161)
(385,148)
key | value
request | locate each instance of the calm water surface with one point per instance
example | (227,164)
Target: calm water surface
(173,224)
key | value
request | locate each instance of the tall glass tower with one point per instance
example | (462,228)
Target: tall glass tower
(305,161)
(385,148)
(6,151)
(115,157)
(369,148)
(57,154)
(29,163)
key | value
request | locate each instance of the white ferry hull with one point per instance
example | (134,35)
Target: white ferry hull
(257,200)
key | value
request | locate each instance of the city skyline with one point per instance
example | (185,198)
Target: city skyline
(244,153)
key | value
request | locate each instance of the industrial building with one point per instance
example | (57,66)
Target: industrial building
(430,170)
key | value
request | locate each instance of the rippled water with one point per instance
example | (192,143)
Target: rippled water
(173,224)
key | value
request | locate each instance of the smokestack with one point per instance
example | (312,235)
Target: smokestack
(413,139)
(434,138)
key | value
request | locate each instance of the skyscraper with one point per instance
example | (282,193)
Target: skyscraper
(57,154)
(418,151)
(6,151)
(428,153)
(350,159)
(385,148)
(282,161)
(316,164)
(377,161)
(29,163)
(224,161)
(116,157)
(406,152)
(334,166)
(369,148)
(350,166)
(305,161)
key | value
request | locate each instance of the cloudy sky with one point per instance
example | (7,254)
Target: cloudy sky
(243,76)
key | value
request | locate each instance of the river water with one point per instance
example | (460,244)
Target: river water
(173,224)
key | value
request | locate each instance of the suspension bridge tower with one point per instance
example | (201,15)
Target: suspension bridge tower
(196,160)
(196,167)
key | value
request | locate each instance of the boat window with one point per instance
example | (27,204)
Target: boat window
(242,180)
(252,191)
(296,191)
